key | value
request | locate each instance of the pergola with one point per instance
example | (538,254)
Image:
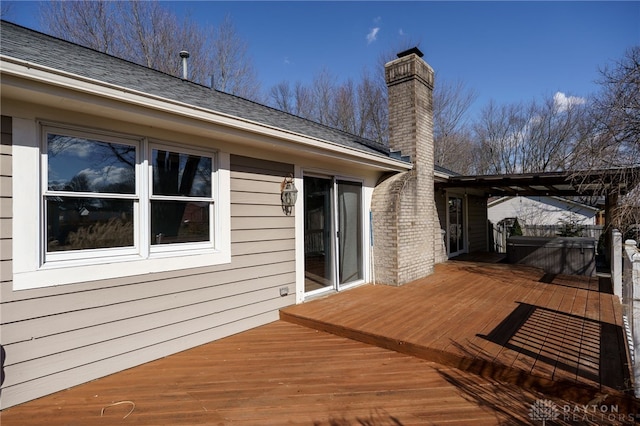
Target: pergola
(609,182)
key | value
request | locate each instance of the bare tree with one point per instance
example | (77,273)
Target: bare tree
(533,137)
(94,24)
(616,114)
(359,108)
(499,133)
(297,100)
(148,33)
(5,10)
(153,36)
(304,101)
(373,110)
(282,97)
(555,131)
(454,147)
(232,72)
(344,108)
(323,89)
(614,141)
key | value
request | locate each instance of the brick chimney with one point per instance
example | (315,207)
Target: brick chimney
(403,205)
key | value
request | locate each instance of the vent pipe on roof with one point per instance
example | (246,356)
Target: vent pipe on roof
(184,55)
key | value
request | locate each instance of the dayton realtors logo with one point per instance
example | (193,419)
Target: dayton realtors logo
(544,410)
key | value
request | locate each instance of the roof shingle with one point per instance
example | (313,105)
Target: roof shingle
(41,49)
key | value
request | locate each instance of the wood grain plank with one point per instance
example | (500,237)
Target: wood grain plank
(448,318)
(254,378)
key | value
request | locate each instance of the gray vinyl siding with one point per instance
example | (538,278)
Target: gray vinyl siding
(62,336)
(477,228)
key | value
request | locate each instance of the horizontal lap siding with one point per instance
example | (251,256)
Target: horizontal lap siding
(62,336)
(478,223)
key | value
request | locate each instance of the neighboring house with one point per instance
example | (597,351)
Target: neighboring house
(541,216)
(534,211)
(141,213)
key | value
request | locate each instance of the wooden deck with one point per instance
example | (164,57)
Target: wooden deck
(280,374)
(472,344)
(561,335)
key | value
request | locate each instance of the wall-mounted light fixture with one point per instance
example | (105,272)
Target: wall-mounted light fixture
(288,194)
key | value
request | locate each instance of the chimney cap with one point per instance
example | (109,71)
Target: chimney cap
(410,51)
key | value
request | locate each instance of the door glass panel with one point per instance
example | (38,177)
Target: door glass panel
(349,231)
(318,244)
(456,226)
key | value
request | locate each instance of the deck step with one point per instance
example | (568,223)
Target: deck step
(511,325)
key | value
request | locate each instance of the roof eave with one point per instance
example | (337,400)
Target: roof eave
(25,70)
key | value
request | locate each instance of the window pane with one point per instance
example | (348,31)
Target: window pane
(85,165)
(179,222)
(180,174)
(88,223)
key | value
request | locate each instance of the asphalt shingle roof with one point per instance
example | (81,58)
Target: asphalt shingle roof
(41,49)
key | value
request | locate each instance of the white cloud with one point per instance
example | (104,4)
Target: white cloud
(563,102)
(373,35)
(107,176)
(70,146)
(401,32)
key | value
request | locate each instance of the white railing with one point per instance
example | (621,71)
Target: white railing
(631,302)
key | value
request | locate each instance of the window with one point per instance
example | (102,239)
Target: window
(90,193)
(107,198)
(181,196)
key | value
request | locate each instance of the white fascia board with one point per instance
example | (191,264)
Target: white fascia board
(575,203)
(54,77)
(441,177)
(499,200)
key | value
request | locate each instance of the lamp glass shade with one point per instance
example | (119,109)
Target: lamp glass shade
(289,194)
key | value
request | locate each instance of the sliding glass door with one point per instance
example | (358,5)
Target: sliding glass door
(456,226)
(318,233)
(333,232)
(349,231)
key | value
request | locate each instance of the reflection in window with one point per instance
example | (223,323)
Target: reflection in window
(93,197)
(90,196)
(176,173)
(84,165)
(181,201)
(179,222)
(88,223)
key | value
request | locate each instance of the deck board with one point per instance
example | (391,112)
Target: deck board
(505,322)
(283,373)
(471,344)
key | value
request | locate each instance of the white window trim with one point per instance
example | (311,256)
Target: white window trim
(30,272)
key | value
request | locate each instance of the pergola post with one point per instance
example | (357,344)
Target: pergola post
(610,204)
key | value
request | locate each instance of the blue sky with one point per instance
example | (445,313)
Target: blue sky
(506,51)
